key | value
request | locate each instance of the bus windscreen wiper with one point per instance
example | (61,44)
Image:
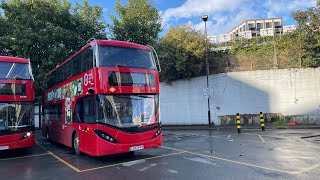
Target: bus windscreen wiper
(121,65)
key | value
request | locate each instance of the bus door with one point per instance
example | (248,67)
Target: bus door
(66,128)
(84,115)
(52,120)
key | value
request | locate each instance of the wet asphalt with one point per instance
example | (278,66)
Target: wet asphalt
(186,154)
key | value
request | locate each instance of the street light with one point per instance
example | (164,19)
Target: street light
(205,18)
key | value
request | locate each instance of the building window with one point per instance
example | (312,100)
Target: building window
(268,25)
(276,24)
(259,26)
(251,26)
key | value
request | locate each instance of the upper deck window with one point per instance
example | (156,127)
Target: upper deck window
(10,70)
(114,56)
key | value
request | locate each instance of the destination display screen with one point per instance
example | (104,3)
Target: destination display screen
(130,79)
(12,89)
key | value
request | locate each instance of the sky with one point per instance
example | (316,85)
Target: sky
(223,14)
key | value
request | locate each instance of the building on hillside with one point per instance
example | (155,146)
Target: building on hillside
(288,29)
(253,28)
(257,27)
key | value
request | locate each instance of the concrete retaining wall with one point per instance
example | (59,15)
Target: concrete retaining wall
(288,93)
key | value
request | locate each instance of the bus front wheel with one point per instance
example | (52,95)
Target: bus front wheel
(76,144)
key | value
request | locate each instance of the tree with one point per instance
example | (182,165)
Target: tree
(138,22)
(182,53)
(47,31)
(308,33)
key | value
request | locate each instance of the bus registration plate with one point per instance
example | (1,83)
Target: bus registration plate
(4,147)
(135,148)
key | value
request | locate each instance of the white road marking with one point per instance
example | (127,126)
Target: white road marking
(202,160)
(172,171)
(145,168)
(131,163)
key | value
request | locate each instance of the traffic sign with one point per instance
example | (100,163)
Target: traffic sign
(207,91)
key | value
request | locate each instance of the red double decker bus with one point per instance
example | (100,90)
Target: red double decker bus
(16,103)
(104,99)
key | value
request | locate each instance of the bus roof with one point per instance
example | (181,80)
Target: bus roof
(106,43)
(13,59)
(120,43)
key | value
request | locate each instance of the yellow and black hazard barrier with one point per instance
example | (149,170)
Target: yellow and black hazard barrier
(238,123)
(262,121)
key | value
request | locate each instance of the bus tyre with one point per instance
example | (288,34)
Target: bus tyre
(76,144)
(130,154)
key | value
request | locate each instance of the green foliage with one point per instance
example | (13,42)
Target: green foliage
(47,31)
(308,20)
(298,49)
(138,22)
(279,123)
(181,53)
(308,33)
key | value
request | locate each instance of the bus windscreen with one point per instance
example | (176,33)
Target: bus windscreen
(113,56)
(15,115)
(10,70)
(122,111)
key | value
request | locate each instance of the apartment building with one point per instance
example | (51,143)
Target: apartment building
(257,27)
(253,28)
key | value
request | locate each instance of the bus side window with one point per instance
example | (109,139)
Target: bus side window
(59,76)
(54,78)
(46,113)
(76,61)
(87,59)
(88,110)
(67,73)
(78,111)
(59,112)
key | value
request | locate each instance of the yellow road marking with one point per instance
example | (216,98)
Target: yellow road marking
(235,162)
(261,138)
(111,165)
(309,169)
(64,162)
(42,147)
(24,157)
(58,158)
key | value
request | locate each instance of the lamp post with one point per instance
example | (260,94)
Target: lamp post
(205,18)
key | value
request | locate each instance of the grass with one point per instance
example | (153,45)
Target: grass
(279,123)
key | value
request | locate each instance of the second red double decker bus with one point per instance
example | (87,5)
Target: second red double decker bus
(104,99)
(16,103)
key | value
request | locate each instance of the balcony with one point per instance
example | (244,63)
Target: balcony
(270,31)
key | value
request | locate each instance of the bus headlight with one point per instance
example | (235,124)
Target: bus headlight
(28,134)
(105,136)
(158,132)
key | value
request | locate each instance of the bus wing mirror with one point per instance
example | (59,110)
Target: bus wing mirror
(155,52)
(91,90)
(30,69)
